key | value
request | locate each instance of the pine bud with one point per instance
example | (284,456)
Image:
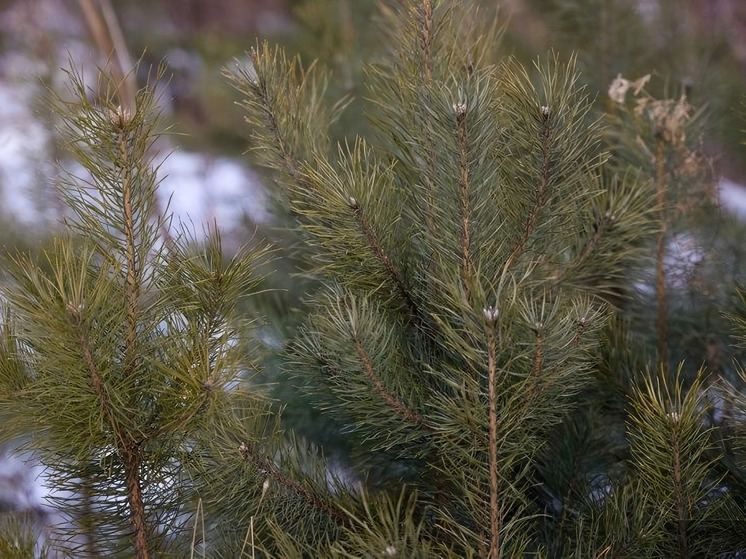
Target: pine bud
(391,552)
(491,314)
(120,117)
(353,202)
(459,109)
(545,111)
(74,309)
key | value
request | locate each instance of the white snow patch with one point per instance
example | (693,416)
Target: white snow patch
(733,197)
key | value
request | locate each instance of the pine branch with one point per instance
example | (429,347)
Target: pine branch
(97,383)
(491,315)
(678,497)
(425,12)
(268,110)
(464,204)
(127,447)
(374,245)
(600,227)
(534,375)
(132,284)
(671,454)
(391,400)
(546,164)
(250,454)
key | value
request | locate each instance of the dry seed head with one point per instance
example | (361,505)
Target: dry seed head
(619,87)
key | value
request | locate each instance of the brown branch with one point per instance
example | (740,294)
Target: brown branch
(391,400)
(495,516)
(99,389)
(426,40)
(681,520)
(269,469)
(132,286)
(662,318)
(464,209)
(371,239)
(533,215)
(132,461)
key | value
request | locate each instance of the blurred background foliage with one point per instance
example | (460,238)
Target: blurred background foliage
(695,48)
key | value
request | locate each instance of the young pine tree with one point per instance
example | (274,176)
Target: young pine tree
(122,342)
(467,251)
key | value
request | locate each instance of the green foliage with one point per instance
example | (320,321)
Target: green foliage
(466,260)
(467,249)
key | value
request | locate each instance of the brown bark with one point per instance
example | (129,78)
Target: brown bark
(132,461)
